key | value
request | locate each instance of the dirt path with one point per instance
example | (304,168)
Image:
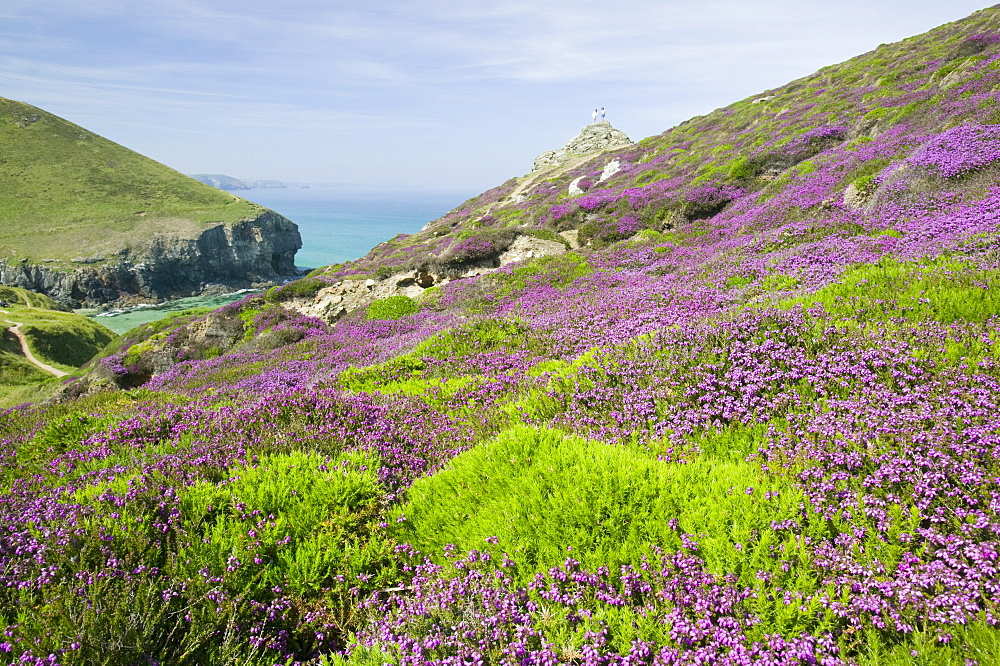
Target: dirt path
(16,330)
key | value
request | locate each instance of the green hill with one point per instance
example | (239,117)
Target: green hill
(72,189)
(90,222)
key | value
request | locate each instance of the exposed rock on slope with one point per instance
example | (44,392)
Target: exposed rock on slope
(334,302)
(591,139)
(251,253)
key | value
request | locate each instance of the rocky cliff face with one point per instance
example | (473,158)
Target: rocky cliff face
(251,253)
(593,138)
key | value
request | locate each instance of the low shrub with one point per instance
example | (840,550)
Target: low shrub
(542,495)
(392,307)
(306,287)
(479,244)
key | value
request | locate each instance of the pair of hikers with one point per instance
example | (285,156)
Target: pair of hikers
(595,114)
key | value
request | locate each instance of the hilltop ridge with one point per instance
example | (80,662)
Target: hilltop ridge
(594,138)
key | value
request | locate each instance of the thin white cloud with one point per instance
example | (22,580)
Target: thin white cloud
(100,78)
(422,77)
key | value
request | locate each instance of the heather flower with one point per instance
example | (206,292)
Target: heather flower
(960,150)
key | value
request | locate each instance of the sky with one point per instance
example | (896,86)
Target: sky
(445,95)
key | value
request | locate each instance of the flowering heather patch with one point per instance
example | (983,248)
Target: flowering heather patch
(755,422)
(478,245)
(960,150)
(707,200)
(562,617)
(817,138)
(977,43)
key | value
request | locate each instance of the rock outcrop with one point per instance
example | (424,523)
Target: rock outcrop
(594,138)
(333,302)
(256,252)
(527,247)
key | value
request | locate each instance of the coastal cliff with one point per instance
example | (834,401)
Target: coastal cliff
(91,223)
(251,253)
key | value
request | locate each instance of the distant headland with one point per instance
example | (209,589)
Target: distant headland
(230,184)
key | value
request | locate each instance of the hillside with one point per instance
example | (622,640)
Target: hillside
(729,395)
(116,224)
(58,344)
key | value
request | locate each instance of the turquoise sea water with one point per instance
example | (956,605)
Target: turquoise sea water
(120,321)
(337,224)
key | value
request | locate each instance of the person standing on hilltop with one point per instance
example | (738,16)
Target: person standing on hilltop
(602,114)
(594,117)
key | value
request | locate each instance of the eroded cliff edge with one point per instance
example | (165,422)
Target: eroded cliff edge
(251,253)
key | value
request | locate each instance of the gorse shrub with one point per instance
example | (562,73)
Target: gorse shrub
(429,297)
(942,290)
(392,307)
(380,375)
(258,549)
(544,495)
(481,336)
(554,270)
(292,520)
(59,436)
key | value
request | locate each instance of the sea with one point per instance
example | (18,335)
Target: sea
(337,224)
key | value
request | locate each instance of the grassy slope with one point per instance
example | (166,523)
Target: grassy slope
(751,444)
(66,192)
(905,82)
(61,339)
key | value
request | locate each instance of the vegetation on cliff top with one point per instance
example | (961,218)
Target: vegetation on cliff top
(754,421)
(67,193)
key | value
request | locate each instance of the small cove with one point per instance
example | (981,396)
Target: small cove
(336,223)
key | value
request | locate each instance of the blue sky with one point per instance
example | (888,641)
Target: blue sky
(451,95)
